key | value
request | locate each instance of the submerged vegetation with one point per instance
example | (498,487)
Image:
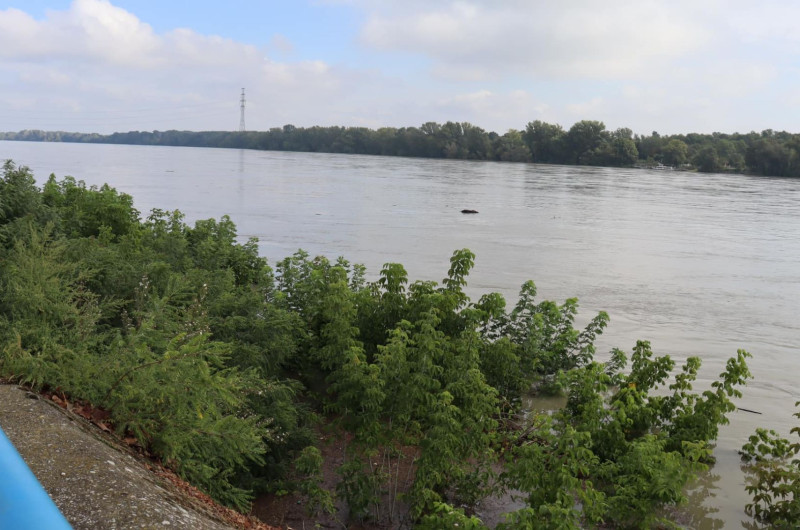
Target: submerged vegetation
(228,370)
(774,478)
(587,142)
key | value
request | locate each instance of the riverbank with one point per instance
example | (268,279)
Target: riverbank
(95,481)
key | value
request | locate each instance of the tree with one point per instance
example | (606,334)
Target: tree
(768,156)
(511,147)
(582,139)
(675,153)
(616,149)
(731,154)
(707,160)
(545,142)
(477,142)
(650,147)
(19,196)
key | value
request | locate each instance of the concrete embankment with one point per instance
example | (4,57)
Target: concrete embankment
(94,482)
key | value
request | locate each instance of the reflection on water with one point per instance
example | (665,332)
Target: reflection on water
(543,404)
(697,264)
(699,512)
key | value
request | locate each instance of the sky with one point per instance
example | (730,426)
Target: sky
(672,66)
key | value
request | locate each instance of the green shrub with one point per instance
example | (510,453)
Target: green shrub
(773,478)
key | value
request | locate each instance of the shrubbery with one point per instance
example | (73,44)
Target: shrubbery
(222,367)
(774,478)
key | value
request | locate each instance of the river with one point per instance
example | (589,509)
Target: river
(699,264)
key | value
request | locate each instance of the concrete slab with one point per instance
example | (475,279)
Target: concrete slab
(94,482)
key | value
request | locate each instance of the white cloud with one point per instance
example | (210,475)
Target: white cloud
(733,78)
(90,29)
(586,109)
(97,31)
(679,66)
(187,48)
(100,64)
(540,39)
(494,111)
(767,20)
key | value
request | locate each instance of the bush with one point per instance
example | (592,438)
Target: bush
(774,478)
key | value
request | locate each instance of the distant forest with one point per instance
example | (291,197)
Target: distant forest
(585,143)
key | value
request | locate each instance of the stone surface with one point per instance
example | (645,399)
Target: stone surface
(94,482)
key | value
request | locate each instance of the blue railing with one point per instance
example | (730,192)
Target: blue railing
(24,505)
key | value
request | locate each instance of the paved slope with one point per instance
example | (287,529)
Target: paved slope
(93,482)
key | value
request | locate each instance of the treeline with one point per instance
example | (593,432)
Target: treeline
(585,143)
(236,374)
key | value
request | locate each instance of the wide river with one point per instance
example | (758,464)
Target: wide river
(698,264)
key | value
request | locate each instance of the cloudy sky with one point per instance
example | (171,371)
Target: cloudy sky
(672,66)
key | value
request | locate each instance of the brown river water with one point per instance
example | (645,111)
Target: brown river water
(698,264)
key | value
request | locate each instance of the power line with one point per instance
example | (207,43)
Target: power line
(241,118)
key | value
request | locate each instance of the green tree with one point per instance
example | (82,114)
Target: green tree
(707,160)
(582,139)
(511,147)
(545,142)
(675,153)
(85,212)
(651,147)
(768,156)
(19,197)
(616,149)
(616,453)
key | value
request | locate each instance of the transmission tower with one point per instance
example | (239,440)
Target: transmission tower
(241,118)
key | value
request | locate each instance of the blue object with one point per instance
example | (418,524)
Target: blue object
(24,505)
